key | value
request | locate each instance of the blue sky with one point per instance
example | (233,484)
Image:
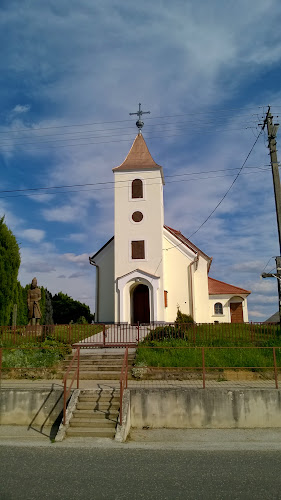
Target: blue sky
(70,74)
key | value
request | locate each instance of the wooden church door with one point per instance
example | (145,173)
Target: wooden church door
(141,311)
(236,312)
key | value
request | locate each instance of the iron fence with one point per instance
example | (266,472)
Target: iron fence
(102,335)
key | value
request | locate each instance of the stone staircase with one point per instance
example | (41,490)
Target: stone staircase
(96,414)
(100,366)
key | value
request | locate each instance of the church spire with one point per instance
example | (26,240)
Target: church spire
(138,158)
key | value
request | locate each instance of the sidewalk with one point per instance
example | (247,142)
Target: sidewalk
(158,439)
(141,384)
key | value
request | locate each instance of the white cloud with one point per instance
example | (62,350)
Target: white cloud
(21,108)
(33,235)
(77,259)
(77,275)
(193,59)
(63,213)
(37,266)
(257,313)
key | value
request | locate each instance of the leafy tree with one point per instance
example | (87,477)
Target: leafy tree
(9,267)
(66,309)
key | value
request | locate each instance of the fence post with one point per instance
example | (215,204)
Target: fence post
(78,366)
(203,367)
(251,329)
(1,362)
(138,332)
(121,401)
(64,401)
(275,368)
(126,382)
(103,334)
(194,336)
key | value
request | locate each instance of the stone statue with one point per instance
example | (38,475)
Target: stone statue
(33,298)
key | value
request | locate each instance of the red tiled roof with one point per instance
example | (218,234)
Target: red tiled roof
(138,158)
(217,287)
(187,243)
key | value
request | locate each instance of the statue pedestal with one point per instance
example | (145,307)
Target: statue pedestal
(33,330)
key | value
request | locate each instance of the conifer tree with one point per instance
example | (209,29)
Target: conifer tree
(9,266)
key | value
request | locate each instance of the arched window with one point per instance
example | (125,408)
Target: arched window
(218,308)
(137,189)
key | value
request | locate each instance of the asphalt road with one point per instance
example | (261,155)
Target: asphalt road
(30,473)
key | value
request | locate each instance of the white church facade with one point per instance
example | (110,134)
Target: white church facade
(148,270)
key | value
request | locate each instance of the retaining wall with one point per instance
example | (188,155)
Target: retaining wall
(205,408)
(24,407)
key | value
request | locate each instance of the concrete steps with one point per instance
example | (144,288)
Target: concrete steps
(100,366)
(96,414)
(97,433)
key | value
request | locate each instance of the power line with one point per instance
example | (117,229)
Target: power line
(225,195)
(223,110)
(181,124)
(263,167)
(267,264)
(113,141)
(122,187)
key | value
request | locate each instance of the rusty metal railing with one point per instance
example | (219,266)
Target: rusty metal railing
(66,392)
(205,368)
(123,382)
(116,334)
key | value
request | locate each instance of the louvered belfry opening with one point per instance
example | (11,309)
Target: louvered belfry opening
(138,249)
(137,188)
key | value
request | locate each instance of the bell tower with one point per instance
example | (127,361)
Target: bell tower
(138,232)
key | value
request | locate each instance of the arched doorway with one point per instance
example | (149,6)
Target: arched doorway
(140,304)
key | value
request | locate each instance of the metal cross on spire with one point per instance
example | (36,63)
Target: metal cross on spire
(140,123)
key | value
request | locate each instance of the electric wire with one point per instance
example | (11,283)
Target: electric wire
(225,195)
(32,148)
(222,110)
(267,263)
(45,188)
(181,124)
(122,187)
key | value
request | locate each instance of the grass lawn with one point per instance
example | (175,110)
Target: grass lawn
(215,334)
(65,333)
(216,339)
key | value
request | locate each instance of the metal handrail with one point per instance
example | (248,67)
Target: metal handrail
(123,382)
(66,391)
(204,368)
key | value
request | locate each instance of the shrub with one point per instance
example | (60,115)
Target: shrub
(183,319)
(82,321)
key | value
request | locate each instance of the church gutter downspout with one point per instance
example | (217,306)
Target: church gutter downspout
(92,262)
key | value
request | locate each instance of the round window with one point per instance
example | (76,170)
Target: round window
(137,216)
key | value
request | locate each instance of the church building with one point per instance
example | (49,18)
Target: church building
(148,270)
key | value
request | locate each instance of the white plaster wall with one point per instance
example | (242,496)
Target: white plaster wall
(149,229)
(225,301)
(176,281)
(201,292)
(105,261)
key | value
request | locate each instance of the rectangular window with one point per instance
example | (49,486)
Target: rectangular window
(138,249)
(165,298)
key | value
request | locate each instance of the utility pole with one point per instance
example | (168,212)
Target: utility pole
(271,133)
